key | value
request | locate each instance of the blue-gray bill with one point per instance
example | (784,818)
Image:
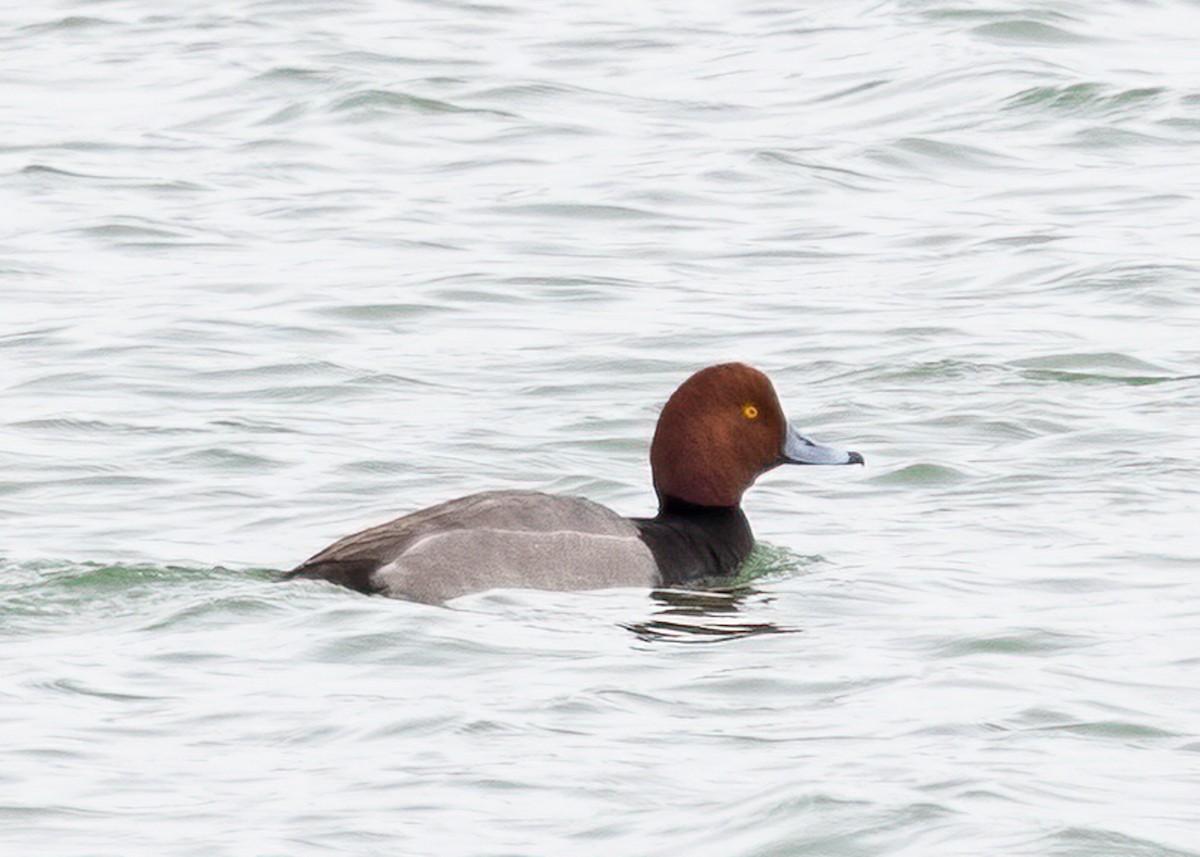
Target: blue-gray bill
(797,449)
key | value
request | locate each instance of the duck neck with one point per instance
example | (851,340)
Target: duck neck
(690,542)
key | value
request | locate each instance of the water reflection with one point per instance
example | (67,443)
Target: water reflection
(708,616)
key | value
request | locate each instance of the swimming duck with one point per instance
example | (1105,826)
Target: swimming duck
(718,432)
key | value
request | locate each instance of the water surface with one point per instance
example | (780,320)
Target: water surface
(276,270)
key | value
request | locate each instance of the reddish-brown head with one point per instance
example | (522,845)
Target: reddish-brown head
(716,434)
(720,430)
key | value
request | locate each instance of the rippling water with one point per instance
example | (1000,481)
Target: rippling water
(272,271)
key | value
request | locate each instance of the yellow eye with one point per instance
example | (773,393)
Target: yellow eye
(750,412)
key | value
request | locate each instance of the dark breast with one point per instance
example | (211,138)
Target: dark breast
(691,542)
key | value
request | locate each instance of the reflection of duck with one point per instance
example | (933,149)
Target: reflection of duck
(718,432)
(703,616)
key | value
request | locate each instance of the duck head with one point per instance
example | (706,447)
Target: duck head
(720,430)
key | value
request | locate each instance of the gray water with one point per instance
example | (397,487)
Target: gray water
(273,271)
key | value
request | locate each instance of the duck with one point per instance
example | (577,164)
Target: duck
(718,432)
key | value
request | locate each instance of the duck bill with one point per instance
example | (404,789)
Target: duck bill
(797,449)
